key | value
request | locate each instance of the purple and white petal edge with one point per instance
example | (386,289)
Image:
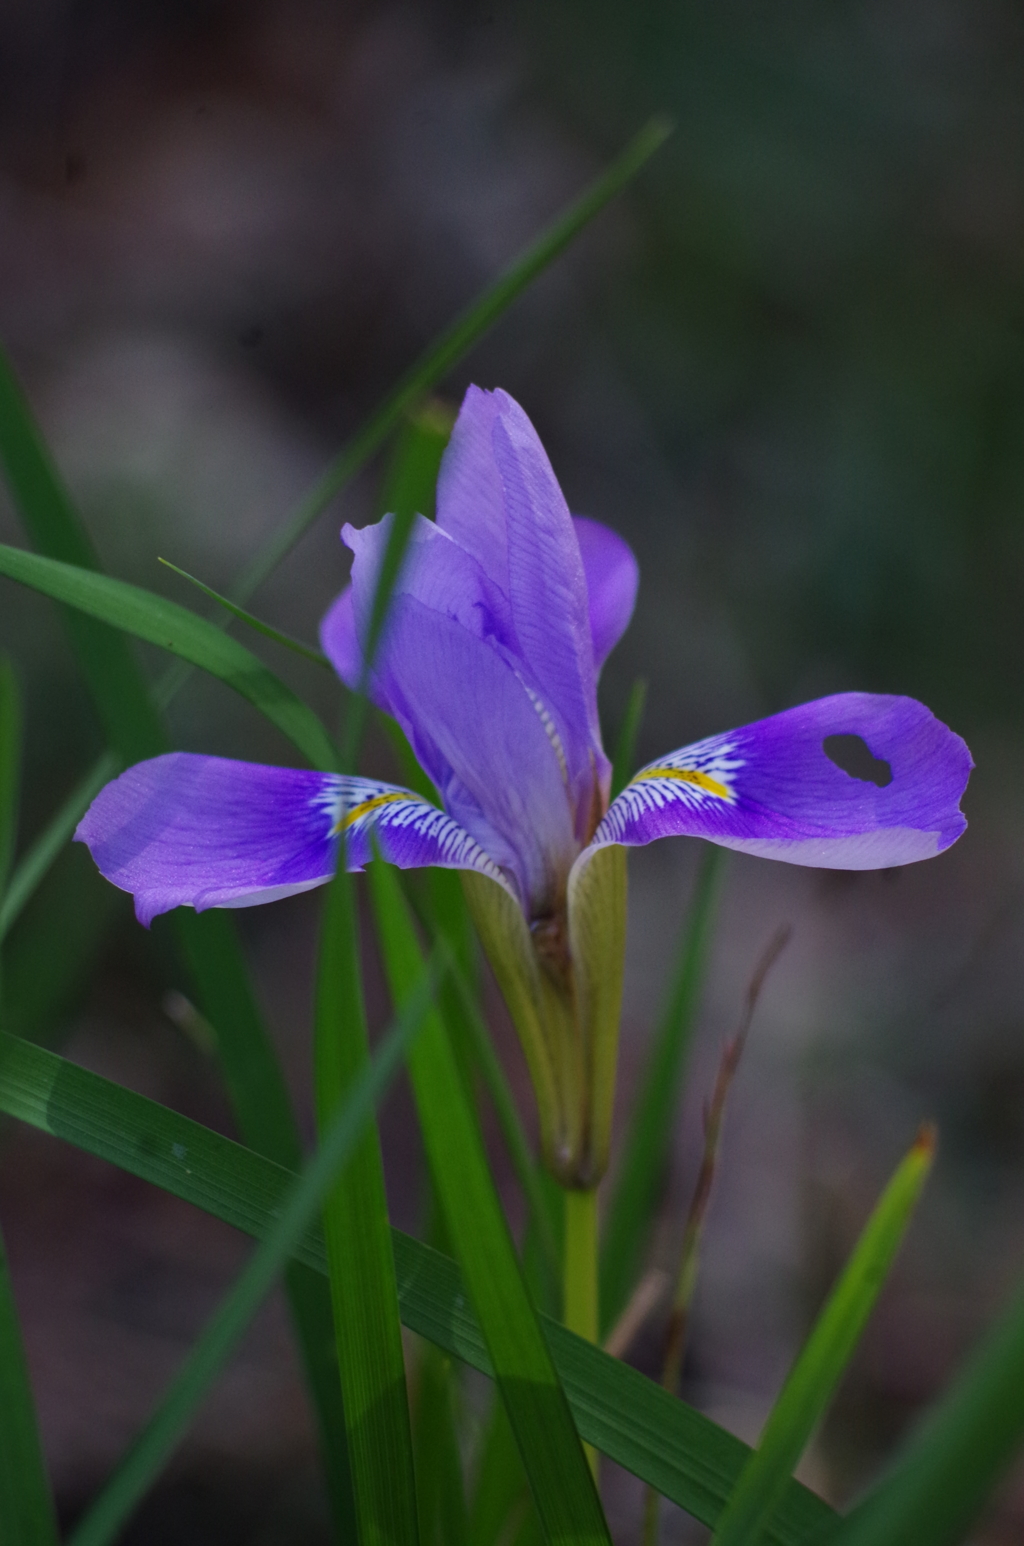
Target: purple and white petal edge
(771,789)
(186,830)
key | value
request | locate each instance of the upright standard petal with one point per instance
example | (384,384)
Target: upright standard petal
(772,788)
(613,576)
(486,744)
(470,496)
(547,587)
(184,830)
(499,499)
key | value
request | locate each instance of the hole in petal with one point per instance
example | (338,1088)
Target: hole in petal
(853,754)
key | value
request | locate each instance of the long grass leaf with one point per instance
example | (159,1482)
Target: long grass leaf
(182,633)
(26,1504)
(259,1099)
(440,1494)
(940,1483)
(453,344)
(27,1513)
(820,1364)
(442,905)
(10,766)
(556,1468)
(362,1269)
(255,623)
(662,1440)
(624,755)
(221,1336)
(501,1492)
(649,1136)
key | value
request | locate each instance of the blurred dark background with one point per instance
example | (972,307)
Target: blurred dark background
(788,365)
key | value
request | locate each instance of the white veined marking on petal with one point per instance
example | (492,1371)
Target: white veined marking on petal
(551,730)
(697,776)
(357,812)
(401,808)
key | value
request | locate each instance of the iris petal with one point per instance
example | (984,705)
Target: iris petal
(772,789)
(185,830)
(339,641)
(484,742)
(470,497)
(547,586)
(613,576)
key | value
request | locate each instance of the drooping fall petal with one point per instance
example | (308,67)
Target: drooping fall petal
(773,789)
(184,830)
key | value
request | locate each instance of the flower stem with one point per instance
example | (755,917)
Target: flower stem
(580,1276)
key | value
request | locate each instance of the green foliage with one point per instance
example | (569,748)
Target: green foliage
(26,1506)
(688,1458)
(440,1493)
(826,1353)
(133,724)
(182,633)
(560,1480)
(10,766)
(623,758)
(299,1206)
(938,1486)
(362,1270)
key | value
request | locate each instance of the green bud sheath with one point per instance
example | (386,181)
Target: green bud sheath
(562,982)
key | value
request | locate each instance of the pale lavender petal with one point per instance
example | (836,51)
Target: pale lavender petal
(613,575)
(547,588)
(470,497)
(339,641)
(485,744)
(771,789)
(436,570)
(185,830)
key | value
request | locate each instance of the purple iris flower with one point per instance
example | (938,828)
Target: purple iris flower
(504,612)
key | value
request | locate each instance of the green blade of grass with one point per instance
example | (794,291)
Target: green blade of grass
(256,623)
(453,344)
(26,1504)
(362,1269)
(183,633)
(209,1355)
(440,1494)
(10,767)
(410,480)
(659,1438)
(501,1491)
(367,1325)
(447,918)
(556,1467)
(625,744)
(820,1364)
(649,1135)
(260,1102)
(940,1483)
